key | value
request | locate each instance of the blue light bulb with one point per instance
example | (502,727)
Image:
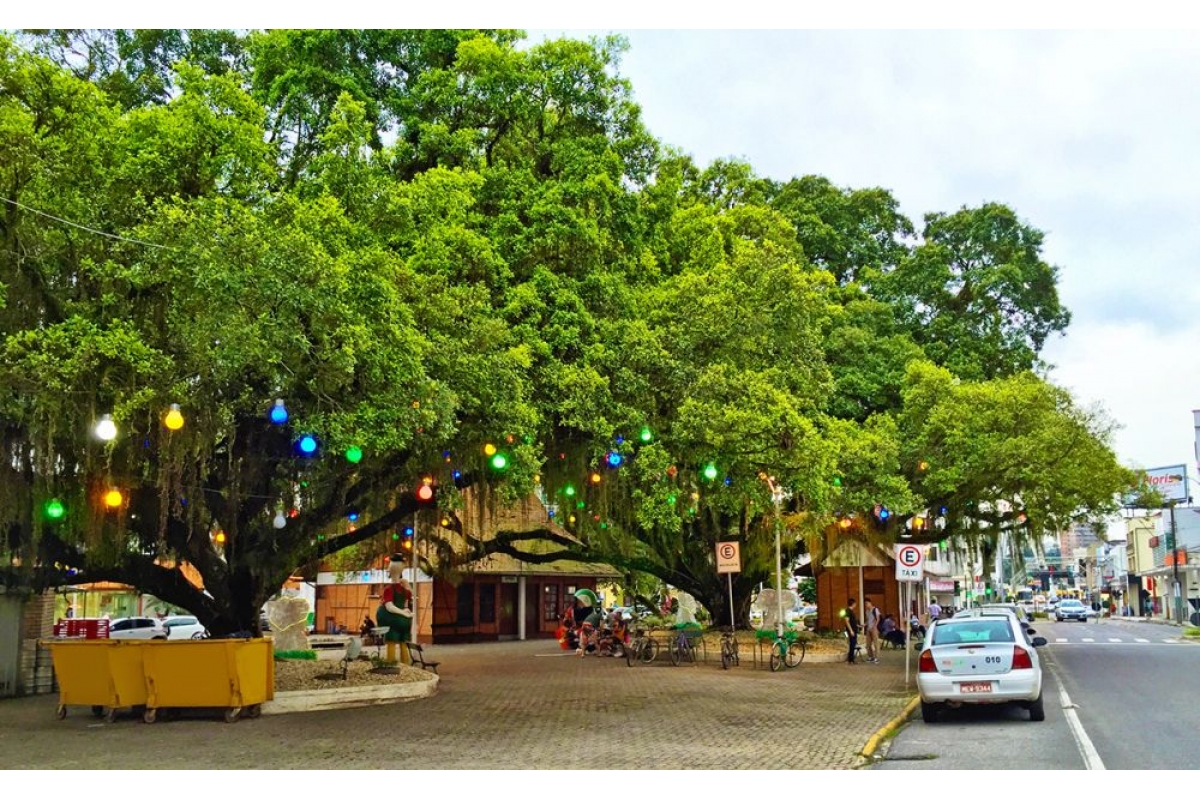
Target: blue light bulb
(615,459)
(279,414)
(308,445)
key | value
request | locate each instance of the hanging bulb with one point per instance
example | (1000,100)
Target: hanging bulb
(308,444)
(113,498)
(354,454)
(174,418)
(54,509)
(280,520)
(106,429)
(279,413)
(489,449)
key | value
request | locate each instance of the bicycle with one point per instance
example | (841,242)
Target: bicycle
(684,646)
(643,648)
(787,650)
(729,648)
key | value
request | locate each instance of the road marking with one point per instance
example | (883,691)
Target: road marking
(1143,641)
(1114,640)
(1086,639)
(1091,758)
(1062,639)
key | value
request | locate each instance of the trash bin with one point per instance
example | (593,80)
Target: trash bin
(237,675)
(102,673)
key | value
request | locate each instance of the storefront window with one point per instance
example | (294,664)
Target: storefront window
(550,603)
(487,603)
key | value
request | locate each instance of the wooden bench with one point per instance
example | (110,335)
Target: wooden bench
(417,653)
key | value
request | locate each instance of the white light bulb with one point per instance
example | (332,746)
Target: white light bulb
(280,520)
(106,429)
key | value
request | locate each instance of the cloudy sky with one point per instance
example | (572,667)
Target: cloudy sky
(1091,136)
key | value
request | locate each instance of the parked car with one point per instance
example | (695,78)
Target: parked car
(183,627)
(137,628)
(984,658)
(998,608)
(1071,609)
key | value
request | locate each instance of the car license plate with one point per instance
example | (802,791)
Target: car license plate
(981,687)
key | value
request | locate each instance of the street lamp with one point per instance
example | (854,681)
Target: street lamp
(777,499)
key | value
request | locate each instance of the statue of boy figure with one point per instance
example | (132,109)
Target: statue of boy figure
(395,612)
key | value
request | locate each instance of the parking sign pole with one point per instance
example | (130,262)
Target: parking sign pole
(729,581)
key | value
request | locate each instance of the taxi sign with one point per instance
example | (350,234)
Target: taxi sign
(910,563)
(729,557)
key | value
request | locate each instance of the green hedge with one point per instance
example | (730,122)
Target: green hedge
(296,655)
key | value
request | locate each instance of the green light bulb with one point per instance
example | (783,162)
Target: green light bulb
(55,509)
(499,461)
(710,471)
(354,454)
(569,491)
(645,435)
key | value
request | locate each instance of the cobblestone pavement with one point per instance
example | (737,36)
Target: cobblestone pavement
(512,705)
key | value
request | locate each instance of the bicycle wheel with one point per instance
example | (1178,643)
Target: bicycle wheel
(777,656)
(649,651)
(795,653)
(733,648)
(726,655)
(676,652)
(631,652)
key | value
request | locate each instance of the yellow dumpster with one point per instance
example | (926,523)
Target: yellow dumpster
(237,675)
(105,674)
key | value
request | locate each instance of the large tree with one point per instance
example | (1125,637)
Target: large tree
(426,242)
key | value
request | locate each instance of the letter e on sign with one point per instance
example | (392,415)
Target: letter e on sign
(729,557)
(910,563)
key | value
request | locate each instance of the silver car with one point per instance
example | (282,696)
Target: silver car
(980,659)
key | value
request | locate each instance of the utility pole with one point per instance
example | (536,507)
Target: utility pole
(1172,545)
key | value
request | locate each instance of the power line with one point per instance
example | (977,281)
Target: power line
(84,227)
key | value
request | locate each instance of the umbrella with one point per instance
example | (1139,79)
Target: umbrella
(588,596)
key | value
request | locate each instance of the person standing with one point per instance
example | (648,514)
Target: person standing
(851,620)
(935,611)
(871,628)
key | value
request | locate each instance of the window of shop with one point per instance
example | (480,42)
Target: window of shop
(466,604)
(550,609)
(487,603)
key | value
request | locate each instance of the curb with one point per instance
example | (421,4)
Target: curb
(868,752)
(352,697)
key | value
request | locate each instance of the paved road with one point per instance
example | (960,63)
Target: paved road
(1111,698)
(512,705)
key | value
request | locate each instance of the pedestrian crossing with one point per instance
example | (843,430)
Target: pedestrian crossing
(1114,640)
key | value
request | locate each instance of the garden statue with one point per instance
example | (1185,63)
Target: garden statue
(288,618)
(395,611)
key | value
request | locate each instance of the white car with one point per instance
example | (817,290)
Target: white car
(980,659)
(137,628)
(185,628)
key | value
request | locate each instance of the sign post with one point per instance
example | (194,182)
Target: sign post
(729,561)
(910,569)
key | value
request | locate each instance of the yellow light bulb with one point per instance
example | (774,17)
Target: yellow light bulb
(174,418)
(489,449)
(113,498)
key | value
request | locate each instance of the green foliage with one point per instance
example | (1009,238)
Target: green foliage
(429,240)
(295,655)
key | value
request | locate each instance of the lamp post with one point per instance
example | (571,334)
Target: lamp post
(777,499)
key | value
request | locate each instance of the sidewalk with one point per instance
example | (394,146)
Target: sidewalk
(514,705)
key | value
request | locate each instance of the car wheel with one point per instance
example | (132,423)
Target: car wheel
(929,712)
(1037,710)
(197,635)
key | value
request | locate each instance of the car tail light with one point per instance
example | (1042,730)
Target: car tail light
(925,662)
(1021,659)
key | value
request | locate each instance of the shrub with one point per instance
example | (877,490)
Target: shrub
(296,655)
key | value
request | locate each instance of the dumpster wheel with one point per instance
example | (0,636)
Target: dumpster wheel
(254,711)
(61,712)
(231,714)
(150,715)
(97,711)
(110,715)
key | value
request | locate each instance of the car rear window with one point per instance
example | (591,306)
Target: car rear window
(978,631)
